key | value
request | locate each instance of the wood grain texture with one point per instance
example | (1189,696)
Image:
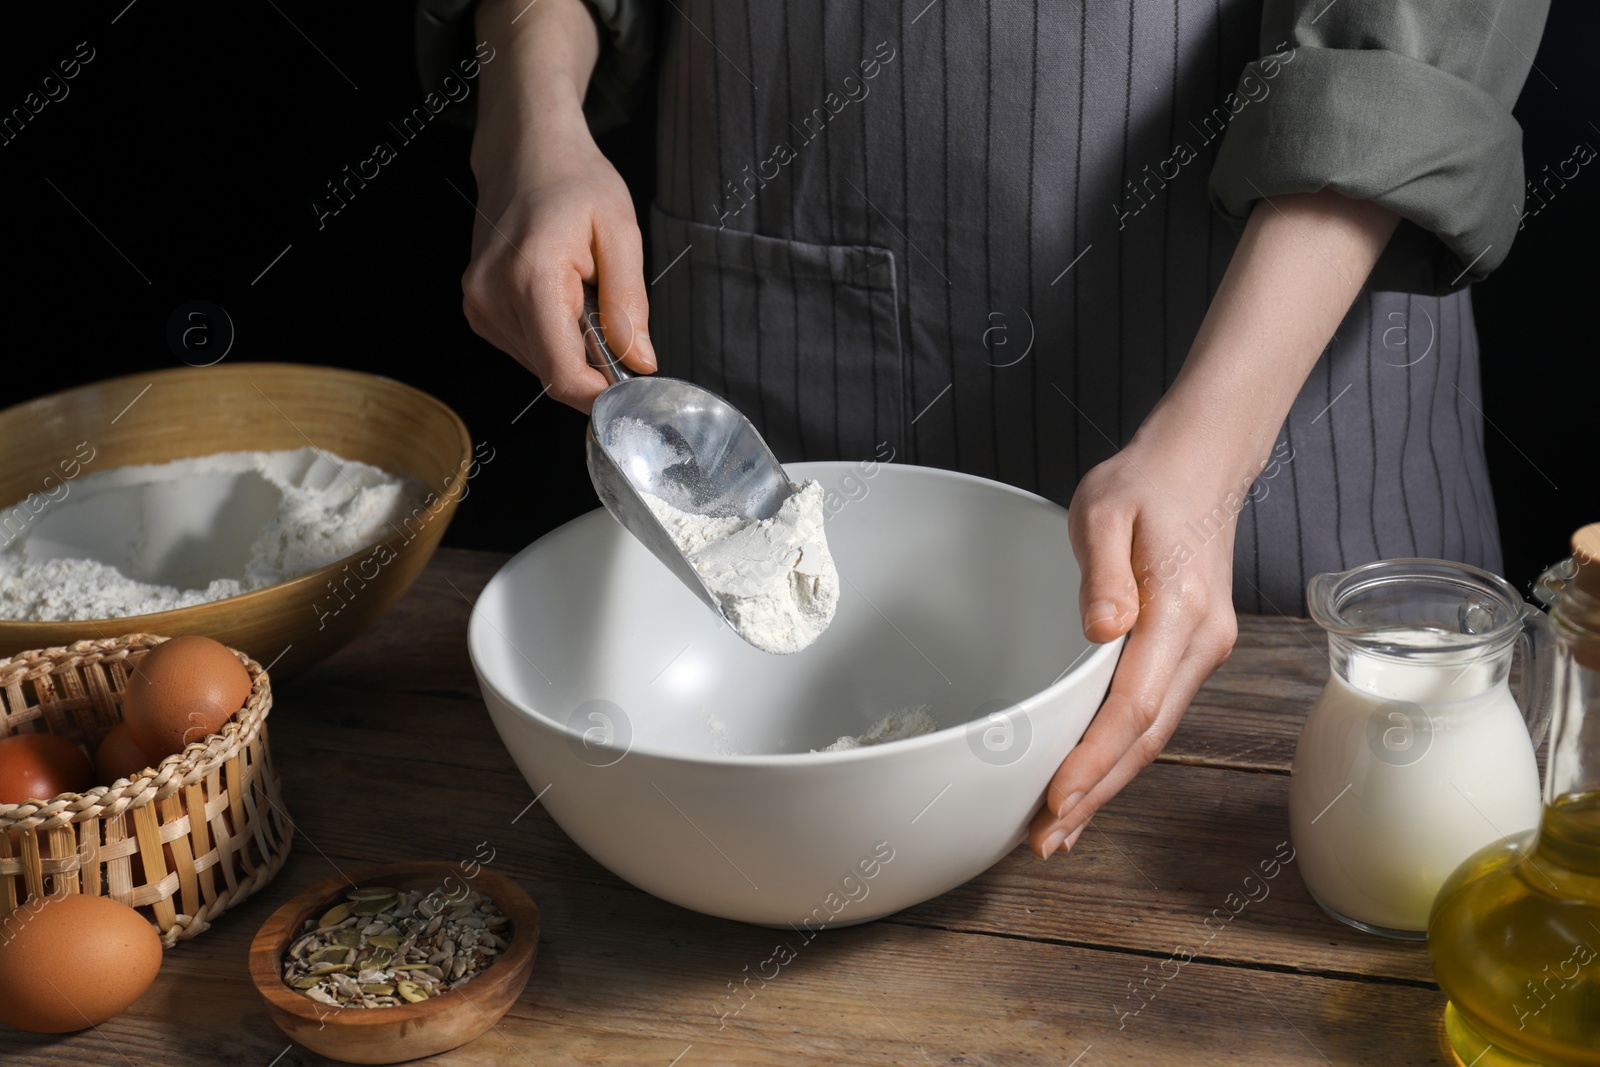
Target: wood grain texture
(1032,963)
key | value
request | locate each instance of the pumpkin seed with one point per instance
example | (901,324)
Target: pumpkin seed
(335,915)
(371,892)
(373,905)
(412,991)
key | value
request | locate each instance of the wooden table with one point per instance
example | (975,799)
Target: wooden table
(386,753)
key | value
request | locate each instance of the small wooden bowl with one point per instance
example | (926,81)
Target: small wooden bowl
(405,1031)
(187,411)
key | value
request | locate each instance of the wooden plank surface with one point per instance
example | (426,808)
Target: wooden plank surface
(387,754)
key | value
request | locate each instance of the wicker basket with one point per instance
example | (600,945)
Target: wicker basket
(183,842)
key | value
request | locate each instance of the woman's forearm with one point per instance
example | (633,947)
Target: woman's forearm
(1301,262)
(545,51)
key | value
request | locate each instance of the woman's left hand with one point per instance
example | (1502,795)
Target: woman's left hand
(1152,526)
(1153,530)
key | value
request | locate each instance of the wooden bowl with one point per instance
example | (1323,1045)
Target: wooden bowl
(405,1031)
(173,414)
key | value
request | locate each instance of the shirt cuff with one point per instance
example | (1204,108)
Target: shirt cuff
(1376,125)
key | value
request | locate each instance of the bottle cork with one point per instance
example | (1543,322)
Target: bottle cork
(1586,555)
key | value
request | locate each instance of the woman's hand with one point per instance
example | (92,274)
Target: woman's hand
(1153,526)
(1152,529)
(552,211)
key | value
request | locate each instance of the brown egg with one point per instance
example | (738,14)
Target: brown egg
(119,756)
(39,766)
(182,691)
(74,961)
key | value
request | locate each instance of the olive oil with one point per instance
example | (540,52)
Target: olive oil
(1515,939)
(1515,932)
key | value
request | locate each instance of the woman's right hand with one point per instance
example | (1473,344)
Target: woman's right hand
(552,214)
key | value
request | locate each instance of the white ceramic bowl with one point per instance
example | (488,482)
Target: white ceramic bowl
(680,757)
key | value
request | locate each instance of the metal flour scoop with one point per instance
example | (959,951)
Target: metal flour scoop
(678,442)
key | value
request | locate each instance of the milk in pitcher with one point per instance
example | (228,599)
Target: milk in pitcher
(1417,753)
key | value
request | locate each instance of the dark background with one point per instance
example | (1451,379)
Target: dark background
(197,138)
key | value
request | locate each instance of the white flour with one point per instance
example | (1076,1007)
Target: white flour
(159,536)
(895,726)
(774,578)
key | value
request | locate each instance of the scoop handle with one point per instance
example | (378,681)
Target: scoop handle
(600,355)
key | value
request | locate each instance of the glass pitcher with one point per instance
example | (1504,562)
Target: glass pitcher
(1416,754)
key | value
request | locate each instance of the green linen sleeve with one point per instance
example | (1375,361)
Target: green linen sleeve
(1403,102)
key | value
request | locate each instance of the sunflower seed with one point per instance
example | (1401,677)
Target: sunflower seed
(384,947)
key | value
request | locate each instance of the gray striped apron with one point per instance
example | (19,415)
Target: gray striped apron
(967,233)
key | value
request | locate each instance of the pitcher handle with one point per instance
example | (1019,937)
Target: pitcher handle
(1540,650)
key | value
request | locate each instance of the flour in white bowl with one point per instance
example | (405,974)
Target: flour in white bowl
(895,726)
(774,578)
(154,537)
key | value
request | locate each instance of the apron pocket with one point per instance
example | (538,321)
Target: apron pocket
(802,338)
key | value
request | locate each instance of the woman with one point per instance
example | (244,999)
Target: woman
(984,236)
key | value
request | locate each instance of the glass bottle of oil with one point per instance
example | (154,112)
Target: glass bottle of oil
(1515,931)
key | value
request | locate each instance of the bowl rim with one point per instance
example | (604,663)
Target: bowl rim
(68,630)
(1086,663)
(280,929)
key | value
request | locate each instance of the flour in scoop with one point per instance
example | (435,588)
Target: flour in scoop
(153,537)
(774,578)
(895,726)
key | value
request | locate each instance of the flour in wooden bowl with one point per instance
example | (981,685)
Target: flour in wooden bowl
(154,537)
